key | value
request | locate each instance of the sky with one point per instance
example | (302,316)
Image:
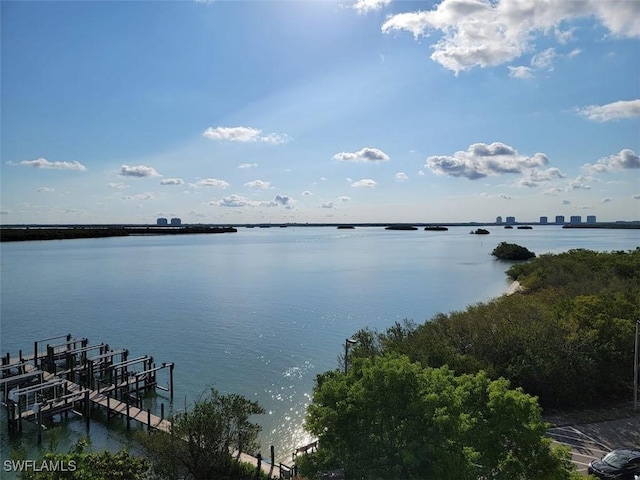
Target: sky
(319,111)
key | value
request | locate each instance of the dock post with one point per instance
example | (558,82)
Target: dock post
(162,411)
(148,420)
(138,399)
(87,409)
(273,455)
(108,407)
(128,417)
(20,356)
(39,423)
(35,354)
(171,380)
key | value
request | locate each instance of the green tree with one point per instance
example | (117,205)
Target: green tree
(201,443)
(81,464)
(389,418)
(511,251)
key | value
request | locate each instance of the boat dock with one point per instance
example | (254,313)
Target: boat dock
(66,374)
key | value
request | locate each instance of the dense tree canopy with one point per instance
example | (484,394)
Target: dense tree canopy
(568,339)
(82,464)
(202,441)
(389,418)
(511,251)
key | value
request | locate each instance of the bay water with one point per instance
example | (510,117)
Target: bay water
(259,312)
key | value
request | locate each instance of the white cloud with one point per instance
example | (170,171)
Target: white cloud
(306,193)
(233,200)
(365,182)
(327,205)
(625,160)
(505,196)
(117,185)
(533,178)
(211,182)
(283,200)
(606,200)
(481,160)
(401,176)
(244,134)
(566,202)
(46,164)
(247,165)
(544,59)
(611,111)
(579,183)
(258,184)
(520,72)
(139,171)
(366,6)
(344,198)
(367,154)
(477,33)
(45,190)
(140,196)
(171,181)
(637,197)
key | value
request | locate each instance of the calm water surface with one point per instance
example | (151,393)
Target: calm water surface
(259,312)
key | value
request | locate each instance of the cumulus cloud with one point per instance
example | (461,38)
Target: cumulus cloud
(327,205)
(365,182)
(233,200)
(344,198)
(400,176)
(45,190)
(625,160)
(117,185)
(579,183)
(258,184)
(506,196)
(481,160)
(211,182)
(307,193)
(611,111)
(477,33)
(533,178)
(283,200)
(244,134)
(367,154)
(139,171)
(171,181)
(46,164)
(247,165)
(366,6)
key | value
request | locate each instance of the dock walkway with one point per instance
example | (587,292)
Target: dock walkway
(22,376)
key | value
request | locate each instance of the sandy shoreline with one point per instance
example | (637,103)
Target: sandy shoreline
(515,287)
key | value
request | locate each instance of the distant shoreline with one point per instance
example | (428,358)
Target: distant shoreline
(66,233)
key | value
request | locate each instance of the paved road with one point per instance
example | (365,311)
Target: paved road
(591,441)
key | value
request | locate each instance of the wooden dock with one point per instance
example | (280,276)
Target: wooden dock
(64,378)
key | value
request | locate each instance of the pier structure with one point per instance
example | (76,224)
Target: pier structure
(66,374)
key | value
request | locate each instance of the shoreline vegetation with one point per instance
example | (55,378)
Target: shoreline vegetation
(559,341)
(65,233)
(563,331)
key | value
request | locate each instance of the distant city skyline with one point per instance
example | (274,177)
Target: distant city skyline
(319,111)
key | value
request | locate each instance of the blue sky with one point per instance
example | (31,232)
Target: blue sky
(319,111)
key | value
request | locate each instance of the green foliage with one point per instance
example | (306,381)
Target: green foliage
(389,418)
(511,251)
(81,464)
(568,340)
(202,441)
